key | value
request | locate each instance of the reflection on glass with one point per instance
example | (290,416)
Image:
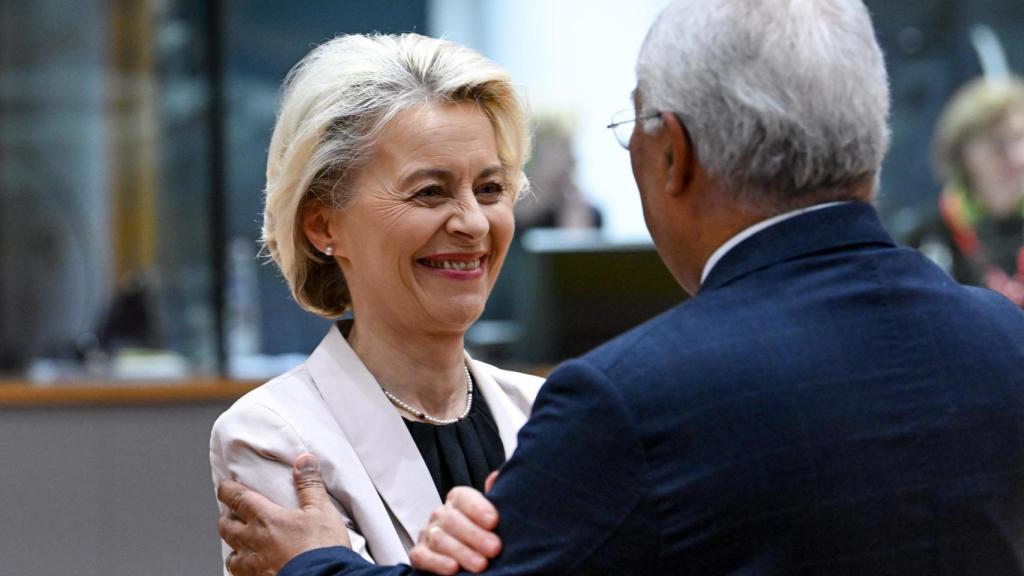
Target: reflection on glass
(103,190)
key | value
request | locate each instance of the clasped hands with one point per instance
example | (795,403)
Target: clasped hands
(265,536)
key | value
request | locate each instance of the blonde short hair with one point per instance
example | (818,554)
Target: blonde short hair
(335,103)
(975,109)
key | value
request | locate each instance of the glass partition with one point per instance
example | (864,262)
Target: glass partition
(104,126)
(133,137)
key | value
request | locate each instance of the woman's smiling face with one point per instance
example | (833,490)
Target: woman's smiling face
(995,165)
(430,220)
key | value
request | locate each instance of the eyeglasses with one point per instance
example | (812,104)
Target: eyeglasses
(622,124)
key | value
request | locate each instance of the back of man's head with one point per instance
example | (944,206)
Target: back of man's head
(786,101)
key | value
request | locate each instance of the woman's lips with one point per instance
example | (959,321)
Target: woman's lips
(459,266)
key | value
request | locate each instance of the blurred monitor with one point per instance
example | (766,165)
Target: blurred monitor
(576,289)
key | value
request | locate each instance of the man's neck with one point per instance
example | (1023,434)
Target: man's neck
(707,232)
(751,230)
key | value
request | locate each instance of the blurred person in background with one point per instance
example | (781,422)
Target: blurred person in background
(979,155)
(391,176)
(827,403)
(557,201)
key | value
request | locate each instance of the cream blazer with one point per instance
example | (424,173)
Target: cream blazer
(332,407)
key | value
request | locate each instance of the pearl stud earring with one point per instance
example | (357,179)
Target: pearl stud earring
(330,250)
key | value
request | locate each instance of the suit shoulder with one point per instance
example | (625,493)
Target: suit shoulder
(999,305)
(997,313)
(270,406)
(514,384)
(510,377)
(636,343)
(274,395)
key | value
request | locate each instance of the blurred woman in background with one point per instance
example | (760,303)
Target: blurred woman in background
(979,155)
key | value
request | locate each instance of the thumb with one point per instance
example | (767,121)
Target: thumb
(489,482)
(309,485)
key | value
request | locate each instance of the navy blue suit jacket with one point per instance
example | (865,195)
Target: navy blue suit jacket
(829,403)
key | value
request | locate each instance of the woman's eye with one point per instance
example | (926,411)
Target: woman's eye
(429,192)
(491,189)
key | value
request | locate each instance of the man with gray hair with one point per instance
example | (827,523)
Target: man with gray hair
(826,403)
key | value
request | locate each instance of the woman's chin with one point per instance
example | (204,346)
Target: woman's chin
(459,314)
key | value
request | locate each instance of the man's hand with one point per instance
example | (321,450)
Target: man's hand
(265,536)
(460,533)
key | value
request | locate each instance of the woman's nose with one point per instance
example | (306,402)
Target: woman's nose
(469,220)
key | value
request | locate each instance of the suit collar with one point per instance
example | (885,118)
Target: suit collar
(506,416)
(729,244)
(379,436)
(833,227)
(376,432)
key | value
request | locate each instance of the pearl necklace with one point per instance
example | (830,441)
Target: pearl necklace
(424,416)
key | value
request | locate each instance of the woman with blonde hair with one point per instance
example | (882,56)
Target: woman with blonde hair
(979,155)
(391,177)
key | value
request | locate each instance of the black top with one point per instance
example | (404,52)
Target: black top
(462,453)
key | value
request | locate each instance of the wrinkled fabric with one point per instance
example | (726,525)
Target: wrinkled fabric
(462,453)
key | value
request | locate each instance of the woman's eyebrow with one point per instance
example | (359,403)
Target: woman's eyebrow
(424,173)
(445,174)
(491,170)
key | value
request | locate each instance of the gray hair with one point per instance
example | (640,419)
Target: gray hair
(335,104)
(786,101)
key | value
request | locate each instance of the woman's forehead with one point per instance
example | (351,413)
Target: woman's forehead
(434,133)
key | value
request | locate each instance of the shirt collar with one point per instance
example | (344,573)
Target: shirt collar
(750,231)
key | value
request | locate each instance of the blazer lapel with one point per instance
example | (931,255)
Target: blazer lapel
(508,418)
(376,432)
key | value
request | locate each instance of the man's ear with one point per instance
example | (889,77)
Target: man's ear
(679,154)
(316,225)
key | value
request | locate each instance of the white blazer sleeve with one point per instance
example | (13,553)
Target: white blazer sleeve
(254,445)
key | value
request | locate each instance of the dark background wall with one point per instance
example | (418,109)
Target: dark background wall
(263,40)
(929,54)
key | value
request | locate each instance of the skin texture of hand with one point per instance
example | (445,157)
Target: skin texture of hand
(265,536)
(459,533)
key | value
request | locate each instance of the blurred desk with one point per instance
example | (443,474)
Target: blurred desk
(110,476)
(24,394)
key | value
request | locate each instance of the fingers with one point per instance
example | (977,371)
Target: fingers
(489,482)
(243,564)
(423,558)
(244,503)
(441,543)
(231,563)
(231,530)
(316,503)
(473,505)
(452,527)
(461,531)
(232,494)
(228,490)
(309,485)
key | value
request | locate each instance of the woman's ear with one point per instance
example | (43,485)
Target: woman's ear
(679,154)
(316,224)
